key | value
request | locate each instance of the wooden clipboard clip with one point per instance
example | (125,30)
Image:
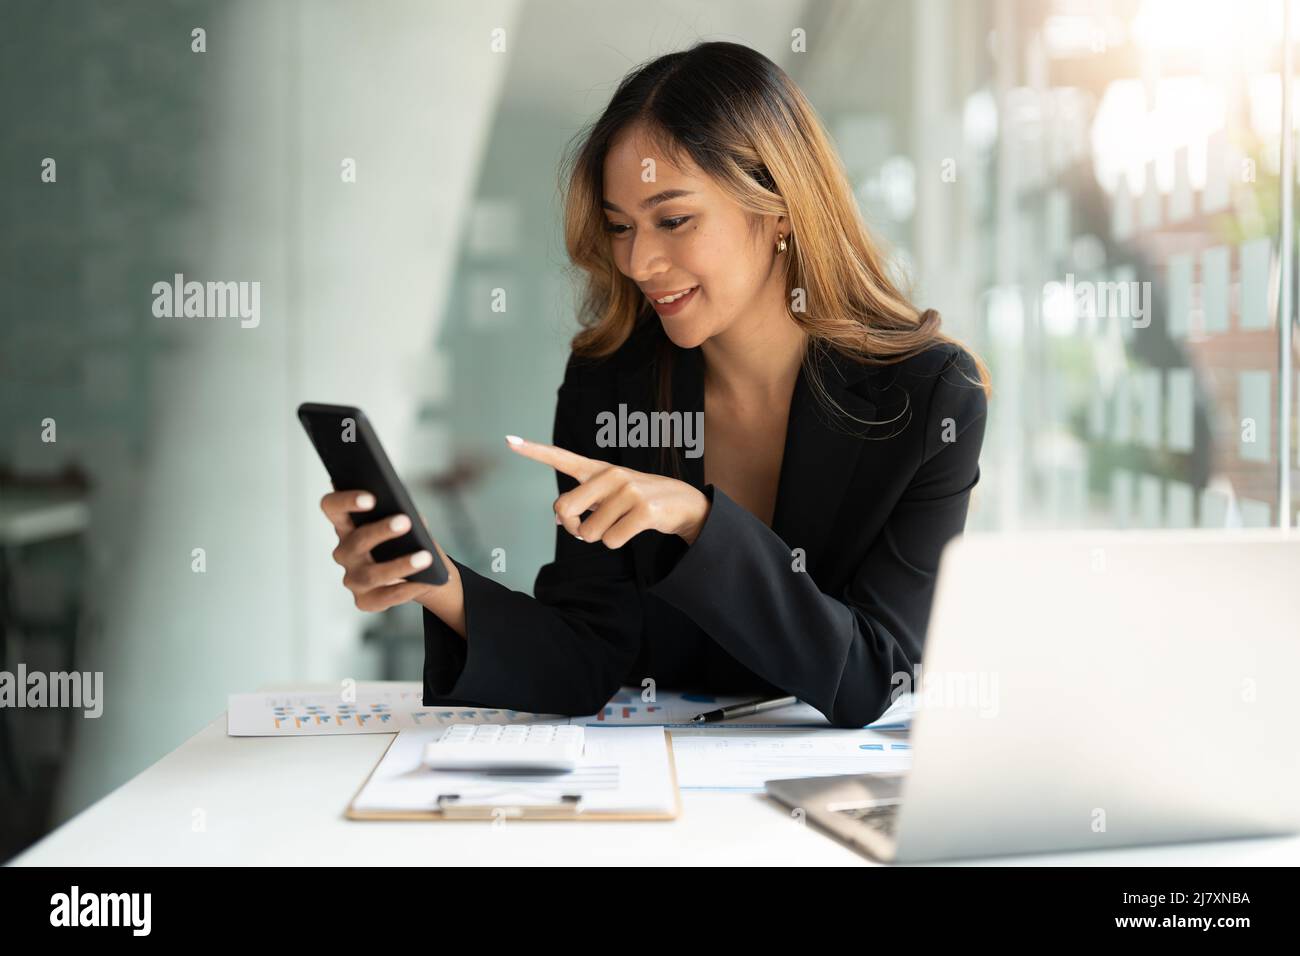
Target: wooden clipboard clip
(451,808)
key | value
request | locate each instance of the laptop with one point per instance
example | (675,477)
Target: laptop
(1085,690)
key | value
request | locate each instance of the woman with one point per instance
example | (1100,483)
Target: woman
(728,273)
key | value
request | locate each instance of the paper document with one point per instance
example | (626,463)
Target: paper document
(373,712)
(625,769)
(898,716)
(400,707)
(677,708)
(744,759)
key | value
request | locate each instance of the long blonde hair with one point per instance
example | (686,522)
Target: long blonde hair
(742,120)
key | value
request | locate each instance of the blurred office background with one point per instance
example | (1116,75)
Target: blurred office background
(384,169)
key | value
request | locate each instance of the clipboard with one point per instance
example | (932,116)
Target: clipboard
(570,807)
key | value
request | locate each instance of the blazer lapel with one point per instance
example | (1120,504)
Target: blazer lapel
(688,396)
(822,447)
(637,389)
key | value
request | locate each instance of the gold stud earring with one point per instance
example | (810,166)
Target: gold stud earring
(780,243)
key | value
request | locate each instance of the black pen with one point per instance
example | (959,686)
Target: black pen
(743,710)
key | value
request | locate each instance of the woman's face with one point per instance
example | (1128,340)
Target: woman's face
(679,232)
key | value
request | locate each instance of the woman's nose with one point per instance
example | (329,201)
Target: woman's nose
(647,258)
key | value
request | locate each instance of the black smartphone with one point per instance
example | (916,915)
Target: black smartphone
(351,453)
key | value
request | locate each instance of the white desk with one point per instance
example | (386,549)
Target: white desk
(280,801)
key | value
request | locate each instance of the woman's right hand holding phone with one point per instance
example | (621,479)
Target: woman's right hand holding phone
(377,586)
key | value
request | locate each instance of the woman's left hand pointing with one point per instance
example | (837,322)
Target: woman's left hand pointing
(623,502)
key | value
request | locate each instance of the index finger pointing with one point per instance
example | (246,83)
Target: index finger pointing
(571,464)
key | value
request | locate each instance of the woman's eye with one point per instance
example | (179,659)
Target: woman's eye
(618,228)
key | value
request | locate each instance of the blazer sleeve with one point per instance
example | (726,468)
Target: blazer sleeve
(566,649)
(837,652)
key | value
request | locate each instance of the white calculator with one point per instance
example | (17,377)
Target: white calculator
(506,747)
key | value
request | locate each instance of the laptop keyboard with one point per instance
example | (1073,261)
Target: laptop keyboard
(883,819)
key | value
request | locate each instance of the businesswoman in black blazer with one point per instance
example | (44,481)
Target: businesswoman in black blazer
(727,272)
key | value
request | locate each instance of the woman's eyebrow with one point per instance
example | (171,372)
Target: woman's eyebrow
(655,200)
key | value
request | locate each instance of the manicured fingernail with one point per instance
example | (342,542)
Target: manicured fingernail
(365,501)
(421,559)
(400,523)
(557,519)
(580,537)
(514,439)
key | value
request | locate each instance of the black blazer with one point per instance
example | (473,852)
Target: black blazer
(870,505)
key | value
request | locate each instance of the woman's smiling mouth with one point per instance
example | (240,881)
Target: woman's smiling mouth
(670,303)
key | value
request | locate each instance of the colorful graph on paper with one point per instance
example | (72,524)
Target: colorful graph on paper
(394,707)
(371,712)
